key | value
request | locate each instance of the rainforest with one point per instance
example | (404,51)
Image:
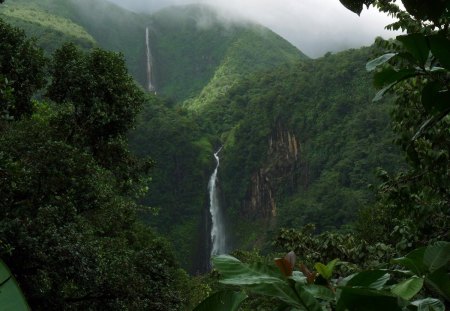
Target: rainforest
(180,159)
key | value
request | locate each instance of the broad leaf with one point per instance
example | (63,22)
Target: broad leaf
(430,96)
(437,256)
(440,47)
(370,66)
(258,278)
(408,288)
(284,292)
(413,261)
(11,297)
(374,279)
(389,76)
(383,91)
(431,122)
(307,300)
(356,6)
(356,299)
(320,292)
(425,10)
(326,271)
(299,277)
(428,304)
(222,301)
(234,272)
(440,281)
(417,45)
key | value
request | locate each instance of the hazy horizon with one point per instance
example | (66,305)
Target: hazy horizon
(314,26)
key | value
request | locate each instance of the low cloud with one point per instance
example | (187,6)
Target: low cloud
(314,26)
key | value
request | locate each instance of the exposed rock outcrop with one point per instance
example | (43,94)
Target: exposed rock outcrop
(283,155)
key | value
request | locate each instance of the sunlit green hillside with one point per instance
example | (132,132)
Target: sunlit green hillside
(49,29)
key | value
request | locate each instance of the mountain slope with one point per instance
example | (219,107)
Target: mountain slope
(194,47)
(301,145)
(50,30)
(195,50)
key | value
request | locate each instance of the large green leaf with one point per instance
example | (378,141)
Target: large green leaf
(417,45)
(413,261)
(374,279)
(428,304)
(440,281)
(308,301)
(408,288)
(383,91)
(435,99)
(425,10)
(362,299)
(283,292)
(370,66)
(234,272)
(258,278)
(320,292)
(389,75)
(326,271)
(423,260)
(11,297)
(437,255)
(222,301)
(356,6)
(440,47)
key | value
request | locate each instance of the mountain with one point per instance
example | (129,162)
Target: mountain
(198,53)
(197,56)
(301,145)
(301,138)
(192,46)
(50,29)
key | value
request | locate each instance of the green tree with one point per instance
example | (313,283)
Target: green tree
(414,202)
(104,96)
(21,72)
(68,221)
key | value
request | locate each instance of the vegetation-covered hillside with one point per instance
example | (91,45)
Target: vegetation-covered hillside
(50,29)
(298,148)
(190,45)
(69,229)
(104,188)
(196,50)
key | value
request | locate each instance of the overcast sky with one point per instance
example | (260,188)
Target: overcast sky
(314,26)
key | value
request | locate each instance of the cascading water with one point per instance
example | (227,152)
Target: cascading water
(150,86)
(218,228)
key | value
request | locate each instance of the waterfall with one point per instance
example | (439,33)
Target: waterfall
(217,230)
(150,86)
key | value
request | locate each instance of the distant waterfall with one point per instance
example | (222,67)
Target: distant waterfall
(217,229)
(150,86)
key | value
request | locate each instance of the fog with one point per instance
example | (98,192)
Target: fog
(314,26)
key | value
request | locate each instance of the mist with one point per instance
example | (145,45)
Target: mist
(314,26)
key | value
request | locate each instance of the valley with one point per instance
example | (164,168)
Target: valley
(185,136)
(287,143)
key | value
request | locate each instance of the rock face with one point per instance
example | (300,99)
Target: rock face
(283,156)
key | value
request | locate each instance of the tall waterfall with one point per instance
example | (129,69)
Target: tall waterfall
(150,86)
(218,227)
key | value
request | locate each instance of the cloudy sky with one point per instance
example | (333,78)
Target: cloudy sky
(314,26)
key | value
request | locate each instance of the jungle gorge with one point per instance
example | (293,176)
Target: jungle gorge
(181,161)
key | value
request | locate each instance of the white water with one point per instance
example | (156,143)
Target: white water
(150,85)
(217,230)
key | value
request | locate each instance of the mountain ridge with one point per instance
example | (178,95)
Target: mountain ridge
(189,43)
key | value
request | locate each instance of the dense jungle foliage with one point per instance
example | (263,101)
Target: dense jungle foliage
(412,209)
(100,182)
(68,226)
